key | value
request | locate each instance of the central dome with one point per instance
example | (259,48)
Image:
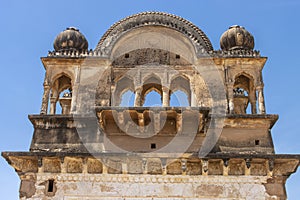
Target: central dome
(185,27)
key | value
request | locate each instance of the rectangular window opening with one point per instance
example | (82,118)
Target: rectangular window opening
(177,56)
(153,146)
(50,185)
(127,55)
(257,142)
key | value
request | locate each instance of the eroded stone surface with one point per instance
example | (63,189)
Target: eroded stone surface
(158,186)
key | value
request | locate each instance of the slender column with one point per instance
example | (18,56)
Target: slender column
(252,98)
(52,105)
(137,100)
(75,87)
(74,98)
(166,97)
(44,108)
(193,97)
(230,98)
(157,127)
(115,98)
(179,122)
(261,100)
(45,100)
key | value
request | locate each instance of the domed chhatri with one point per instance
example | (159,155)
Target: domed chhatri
(70,39)
(236,37)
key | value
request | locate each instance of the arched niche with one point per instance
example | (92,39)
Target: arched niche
(244,94)
(179,98)
(123,85)
(181,83)
(61,90)
(152,99)
(152,83)
(127,98)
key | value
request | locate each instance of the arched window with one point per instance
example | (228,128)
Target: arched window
(153,99)
(180,92)
(64,104)
(123,86)
(61,92)
(179,99)
(127,99)
(152,92)
(244,95)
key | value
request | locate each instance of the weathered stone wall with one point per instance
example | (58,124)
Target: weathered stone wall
(86,186)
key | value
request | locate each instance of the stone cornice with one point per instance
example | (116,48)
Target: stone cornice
(107,163)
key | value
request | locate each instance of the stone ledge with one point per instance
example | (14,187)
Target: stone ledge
(158,164)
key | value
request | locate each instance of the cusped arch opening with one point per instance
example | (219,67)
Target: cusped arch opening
(244,94)
(180,91)
(61,91)
(179,98)
(123,85)
(152,98)
(127,98)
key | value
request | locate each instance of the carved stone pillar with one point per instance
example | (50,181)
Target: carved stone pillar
(193,97)
(138,94)
(115,98)
(74,98)
(44,108)
(261,100)
(252,98)
(230,98)
(75,87)
(179,122)
(166,97)
(53,105)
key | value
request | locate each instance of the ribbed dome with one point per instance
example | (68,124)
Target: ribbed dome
(236,37)
(70,39)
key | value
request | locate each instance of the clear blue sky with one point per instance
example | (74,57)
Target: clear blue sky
(28,29)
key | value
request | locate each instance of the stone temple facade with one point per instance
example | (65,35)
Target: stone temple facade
(95,138)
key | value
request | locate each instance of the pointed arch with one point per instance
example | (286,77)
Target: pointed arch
(152,99)
(179,98)
(123,85)
(151,83)
(62,84)
(127,98)
(244,80)
(244,93)
(180,83)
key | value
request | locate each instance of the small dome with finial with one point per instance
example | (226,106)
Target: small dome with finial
(236,37)
(70,39)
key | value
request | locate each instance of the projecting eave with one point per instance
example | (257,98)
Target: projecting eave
(73,61)
(250,121)
(274,165)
